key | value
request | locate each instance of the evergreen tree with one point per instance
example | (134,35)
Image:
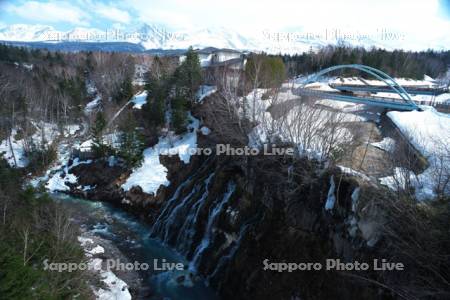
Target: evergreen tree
(179,113)
(131,143)
(99,148)
(188,75)
(125,92)
(187,79)
(157,92)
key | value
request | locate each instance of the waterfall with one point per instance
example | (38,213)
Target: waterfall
(187,231)
(212,220)
(190,218)
(224,260)
(167,210)
(162,218)
(179,224)
(176,213)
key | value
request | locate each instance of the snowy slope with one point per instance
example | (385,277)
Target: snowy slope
(152,174)
(429,132)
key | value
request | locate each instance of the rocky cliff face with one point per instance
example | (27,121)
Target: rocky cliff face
(229,215)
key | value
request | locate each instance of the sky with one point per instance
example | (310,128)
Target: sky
(421,19)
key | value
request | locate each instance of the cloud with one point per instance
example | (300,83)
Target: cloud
(282,14)
(112,13)
(418,20)
(49,12)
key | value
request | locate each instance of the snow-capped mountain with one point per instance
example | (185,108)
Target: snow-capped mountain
(151,36)
(25,33)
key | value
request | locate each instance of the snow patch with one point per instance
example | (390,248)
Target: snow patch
(115,287)
(429,132)
(93,105)
(205,91)
(152,174)
(139,100)
(387,144)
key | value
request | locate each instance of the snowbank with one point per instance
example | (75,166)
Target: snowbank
(115,287)
(139,100)
(429,132)
(204,91)
(387,144)
(44,135)
(152,174)
(59,181)
(93,105)
(12,150)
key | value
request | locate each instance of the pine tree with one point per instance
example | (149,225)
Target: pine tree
(156,95)
(179,113)
(98,146)
(189,75)
(131,143)
(125,92)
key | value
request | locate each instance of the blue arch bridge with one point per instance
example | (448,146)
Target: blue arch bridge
(346,92)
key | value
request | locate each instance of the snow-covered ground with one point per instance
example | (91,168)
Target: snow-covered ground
(152,174)
(387,144)
(139,99)
(14,151)
(115,288)
(205,91)
(59,181)
(306,125)
(45,134)
(93,105)
(429,132)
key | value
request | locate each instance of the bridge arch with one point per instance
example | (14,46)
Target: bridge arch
(380,75)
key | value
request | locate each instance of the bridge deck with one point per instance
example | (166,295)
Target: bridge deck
(413,90)
(391,103)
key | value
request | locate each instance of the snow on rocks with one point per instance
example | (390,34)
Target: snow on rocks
(71,129)
(139,99)
(97,250)
(387,144)
(114,287)
(152,174)
(429,132)
(355,198)
(13,151)
(14,148)
(117,288)
(84,241)
(93,105)
(351,172)
(205,91)
(59,181)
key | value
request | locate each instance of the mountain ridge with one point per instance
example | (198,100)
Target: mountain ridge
(152,37)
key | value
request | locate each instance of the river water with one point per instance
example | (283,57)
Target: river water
(131,236)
